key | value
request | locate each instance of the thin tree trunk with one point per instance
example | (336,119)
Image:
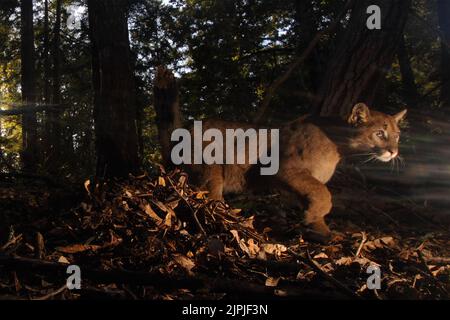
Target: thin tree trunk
(55,116)
(408,81)
(362,58)
(114,104)
(47,75)
(444,23)
(28,83)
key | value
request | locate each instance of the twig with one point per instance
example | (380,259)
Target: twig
(40,245)
(52,294)
(11,242)
(198,222)
(424,263)
(363,241)
(438,260)
(194,212)
(316,267)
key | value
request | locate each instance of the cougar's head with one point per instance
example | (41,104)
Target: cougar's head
(376,134)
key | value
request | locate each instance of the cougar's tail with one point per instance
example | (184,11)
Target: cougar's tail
(167,108)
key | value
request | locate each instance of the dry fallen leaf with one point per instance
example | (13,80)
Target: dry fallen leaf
(384,242)
(87,183)
(201,194)
(235,211)
(235,235)
(274,249)
(184,262)
(344,261)
(63,259)
(272,282)
(253,247)
(148,210)
(321,255)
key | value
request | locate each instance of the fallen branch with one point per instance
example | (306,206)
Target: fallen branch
(158,280)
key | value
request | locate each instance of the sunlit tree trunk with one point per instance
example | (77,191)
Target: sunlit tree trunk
(28,83)
(362,57)
(114,106)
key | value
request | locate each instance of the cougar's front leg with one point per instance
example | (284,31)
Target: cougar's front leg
(319,202)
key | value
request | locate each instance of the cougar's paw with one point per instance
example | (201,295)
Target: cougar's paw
(318,232)
(314,236)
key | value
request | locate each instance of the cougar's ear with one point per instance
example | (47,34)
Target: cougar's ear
(400,116)
(360,114)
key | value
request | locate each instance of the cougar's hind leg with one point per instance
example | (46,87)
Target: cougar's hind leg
(319,203)
(214,181)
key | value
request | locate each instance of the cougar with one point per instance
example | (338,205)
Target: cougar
(310,149)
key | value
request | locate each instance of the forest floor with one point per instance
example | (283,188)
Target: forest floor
(157,238)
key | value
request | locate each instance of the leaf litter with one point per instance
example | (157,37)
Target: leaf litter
(159,238)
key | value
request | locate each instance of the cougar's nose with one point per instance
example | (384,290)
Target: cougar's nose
(393,152)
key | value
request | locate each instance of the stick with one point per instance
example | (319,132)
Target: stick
(363,240)
(100,276)
(52,294)
(316,267)
(157,280)
(438,260)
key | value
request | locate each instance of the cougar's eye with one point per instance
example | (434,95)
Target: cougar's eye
(380,134)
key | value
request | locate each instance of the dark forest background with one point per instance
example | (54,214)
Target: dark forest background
(76,77)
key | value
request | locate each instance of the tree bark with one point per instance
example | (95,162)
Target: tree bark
(305,28)
(54,116)
(47,71)
(408,81)
(444,23)
(362,57)
(114,102)
(166,102)
(28,83)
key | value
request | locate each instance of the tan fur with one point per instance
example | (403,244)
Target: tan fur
(308,159)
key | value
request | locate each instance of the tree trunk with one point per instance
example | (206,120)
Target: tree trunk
(166,103)
(28,83)
(54,116)
(362,57)
(47,71)
(305,29)
(444,23)
(114,102)
(408,81)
